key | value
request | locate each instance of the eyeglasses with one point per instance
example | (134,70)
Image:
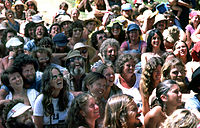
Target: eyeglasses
(17,47)
(55,77)
(83,51)
(75,58)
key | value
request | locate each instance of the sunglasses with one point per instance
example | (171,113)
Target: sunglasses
(83,51)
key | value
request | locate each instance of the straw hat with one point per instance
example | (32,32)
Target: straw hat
(158,18)
(92,18)
(34,2)
(19,2)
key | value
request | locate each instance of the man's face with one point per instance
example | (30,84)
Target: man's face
(111,53)
(100,38)
(54,30)
(9,36)
(91,26)
(28,73)
(19,8)
(77,66)
(43,61)
(18,49)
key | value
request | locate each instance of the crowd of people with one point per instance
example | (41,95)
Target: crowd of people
(126,65)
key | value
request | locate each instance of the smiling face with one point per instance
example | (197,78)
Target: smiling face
(178,73)
(57,80)
(91,26)
(116,29)
(161,25)
(174,96)
(111,53)
(110,76)
(39,32)
(28,72)
(180,49)
(77,66)
(129,68)
(77,33)
(98,88)
(16,80)
(134,35)
(156,41)
(91,110)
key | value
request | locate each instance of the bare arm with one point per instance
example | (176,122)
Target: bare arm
(196,35)
(108,8)
(38,120)
(3,94)
(184,4)
(188,41)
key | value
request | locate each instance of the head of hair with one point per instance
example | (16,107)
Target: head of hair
(101,68)
(166,54)
(94,41)
(42,50)
(75,118)
(47,92)
(147,75)
(54,24)
(109,42)
(76,24)
(5,32)
(27,27)
(46,42)
(23,60)
(116,111)
(189,57)
(181,118)
(122,59)
(46,34)
(149,39)
(8,11)
(121,34)
(63,4)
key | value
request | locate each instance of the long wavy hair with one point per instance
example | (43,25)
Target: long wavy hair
(116,111)
(47,92)
(147,80)
(74,117)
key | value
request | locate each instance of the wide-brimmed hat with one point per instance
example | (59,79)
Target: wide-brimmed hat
(91,50)
(126,6)
(63,18)
(194,13)
(171,34)
(194,84)
(60,39)
(14,41)
(91,19)
(19,2)
(72,54)
(109,26)
(158,18)
(34,2)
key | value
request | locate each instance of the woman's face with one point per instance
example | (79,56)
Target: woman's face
(174,96)
(157,74)
(91,110)
(54,30)
(110,76)
(98,88)
(177,73)
(195,19)
(10,15)
(31,32)
(57,80)
(180,50)
(156,41)
(134,35)
(8,4)
(77,32)
(39,32)
(129,67)
(116,29)
(16,80)
(31,5)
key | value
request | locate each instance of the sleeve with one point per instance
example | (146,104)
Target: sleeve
(124,45)
(5,88)
(38,107)
(192,103)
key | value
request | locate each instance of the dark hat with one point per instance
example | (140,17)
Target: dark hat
(133,27)
(60,39)
(72,54)
(195,83)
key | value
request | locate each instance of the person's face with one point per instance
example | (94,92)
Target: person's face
(30,5)
(180,49)
(77,32)
(168,45)
(174,96)
(65,26)
(9,36)
(16,80)
(55,30)
(77,66)
(100,39)
(57,80)
(98,88)
(31,32)
(43,60)
(127,13)
(84,52)
(129,67)
(195,19)
(156,41)
(18,49)
(28,72)
(39,32)
(134,35)
(91,26)
(110,76)
(91,110)
(177,73)
(161,25)
(25,120)
(8,4)
(75,15)
(157,74)
(116,29)
(111,53)
(133,116)
(19,8)
(10,16)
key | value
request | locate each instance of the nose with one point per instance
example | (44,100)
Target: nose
(113,53)
(179,74)
(96,106)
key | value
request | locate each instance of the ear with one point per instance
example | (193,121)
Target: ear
(82,113)
(163,98)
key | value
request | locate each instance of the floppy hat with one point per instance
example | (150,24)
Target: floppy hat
(171,34)
(158,18)
(37,18)
(17,110)
(72,54)
(91,50)
(91,19)
(34,2)
(126,6)
(60,39)
(109,26)
(14,41)
(194,84)
(19,2)
(63,18)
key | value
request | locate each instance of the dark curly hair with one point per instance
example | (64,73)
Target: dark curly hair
(94,41)
(27,27)
(55,24)
(149,39)
(76,24)
(47,91)
(4,35)
(46,34)
(24,59)
(74,117)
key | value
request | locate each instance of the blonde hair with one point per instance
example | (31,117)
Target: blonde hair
(181,118)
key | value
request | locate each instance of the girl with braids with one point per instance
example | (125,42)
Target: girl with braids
(168,98)
(150,78)
(83,112)
(121,112)
(51,107)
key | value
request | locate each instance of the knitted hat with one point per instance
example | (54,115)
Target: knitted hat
(171,34)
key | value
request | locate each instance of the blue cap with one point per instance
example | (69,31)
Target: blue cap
(133,27)
(60,39)
(126,6)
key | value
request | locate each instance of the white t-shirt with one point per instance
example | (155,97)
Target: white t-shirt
(58,117)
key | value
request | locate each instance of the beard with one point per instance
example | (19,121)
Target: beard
(28,81)
(77,71)
(17,124)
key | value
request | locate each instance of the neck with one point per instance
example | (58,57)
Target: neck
(55,93)
(195,25)
(75,40)
(184,59)
(156,50)
(170,110)
(106,94)
(91,123)
(130,79)
(20,91)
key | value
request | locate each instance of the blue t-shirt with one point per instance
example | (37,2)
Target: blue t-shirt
(193,103)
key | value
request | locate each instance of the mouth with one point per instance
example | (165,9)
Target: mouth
(59,83)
